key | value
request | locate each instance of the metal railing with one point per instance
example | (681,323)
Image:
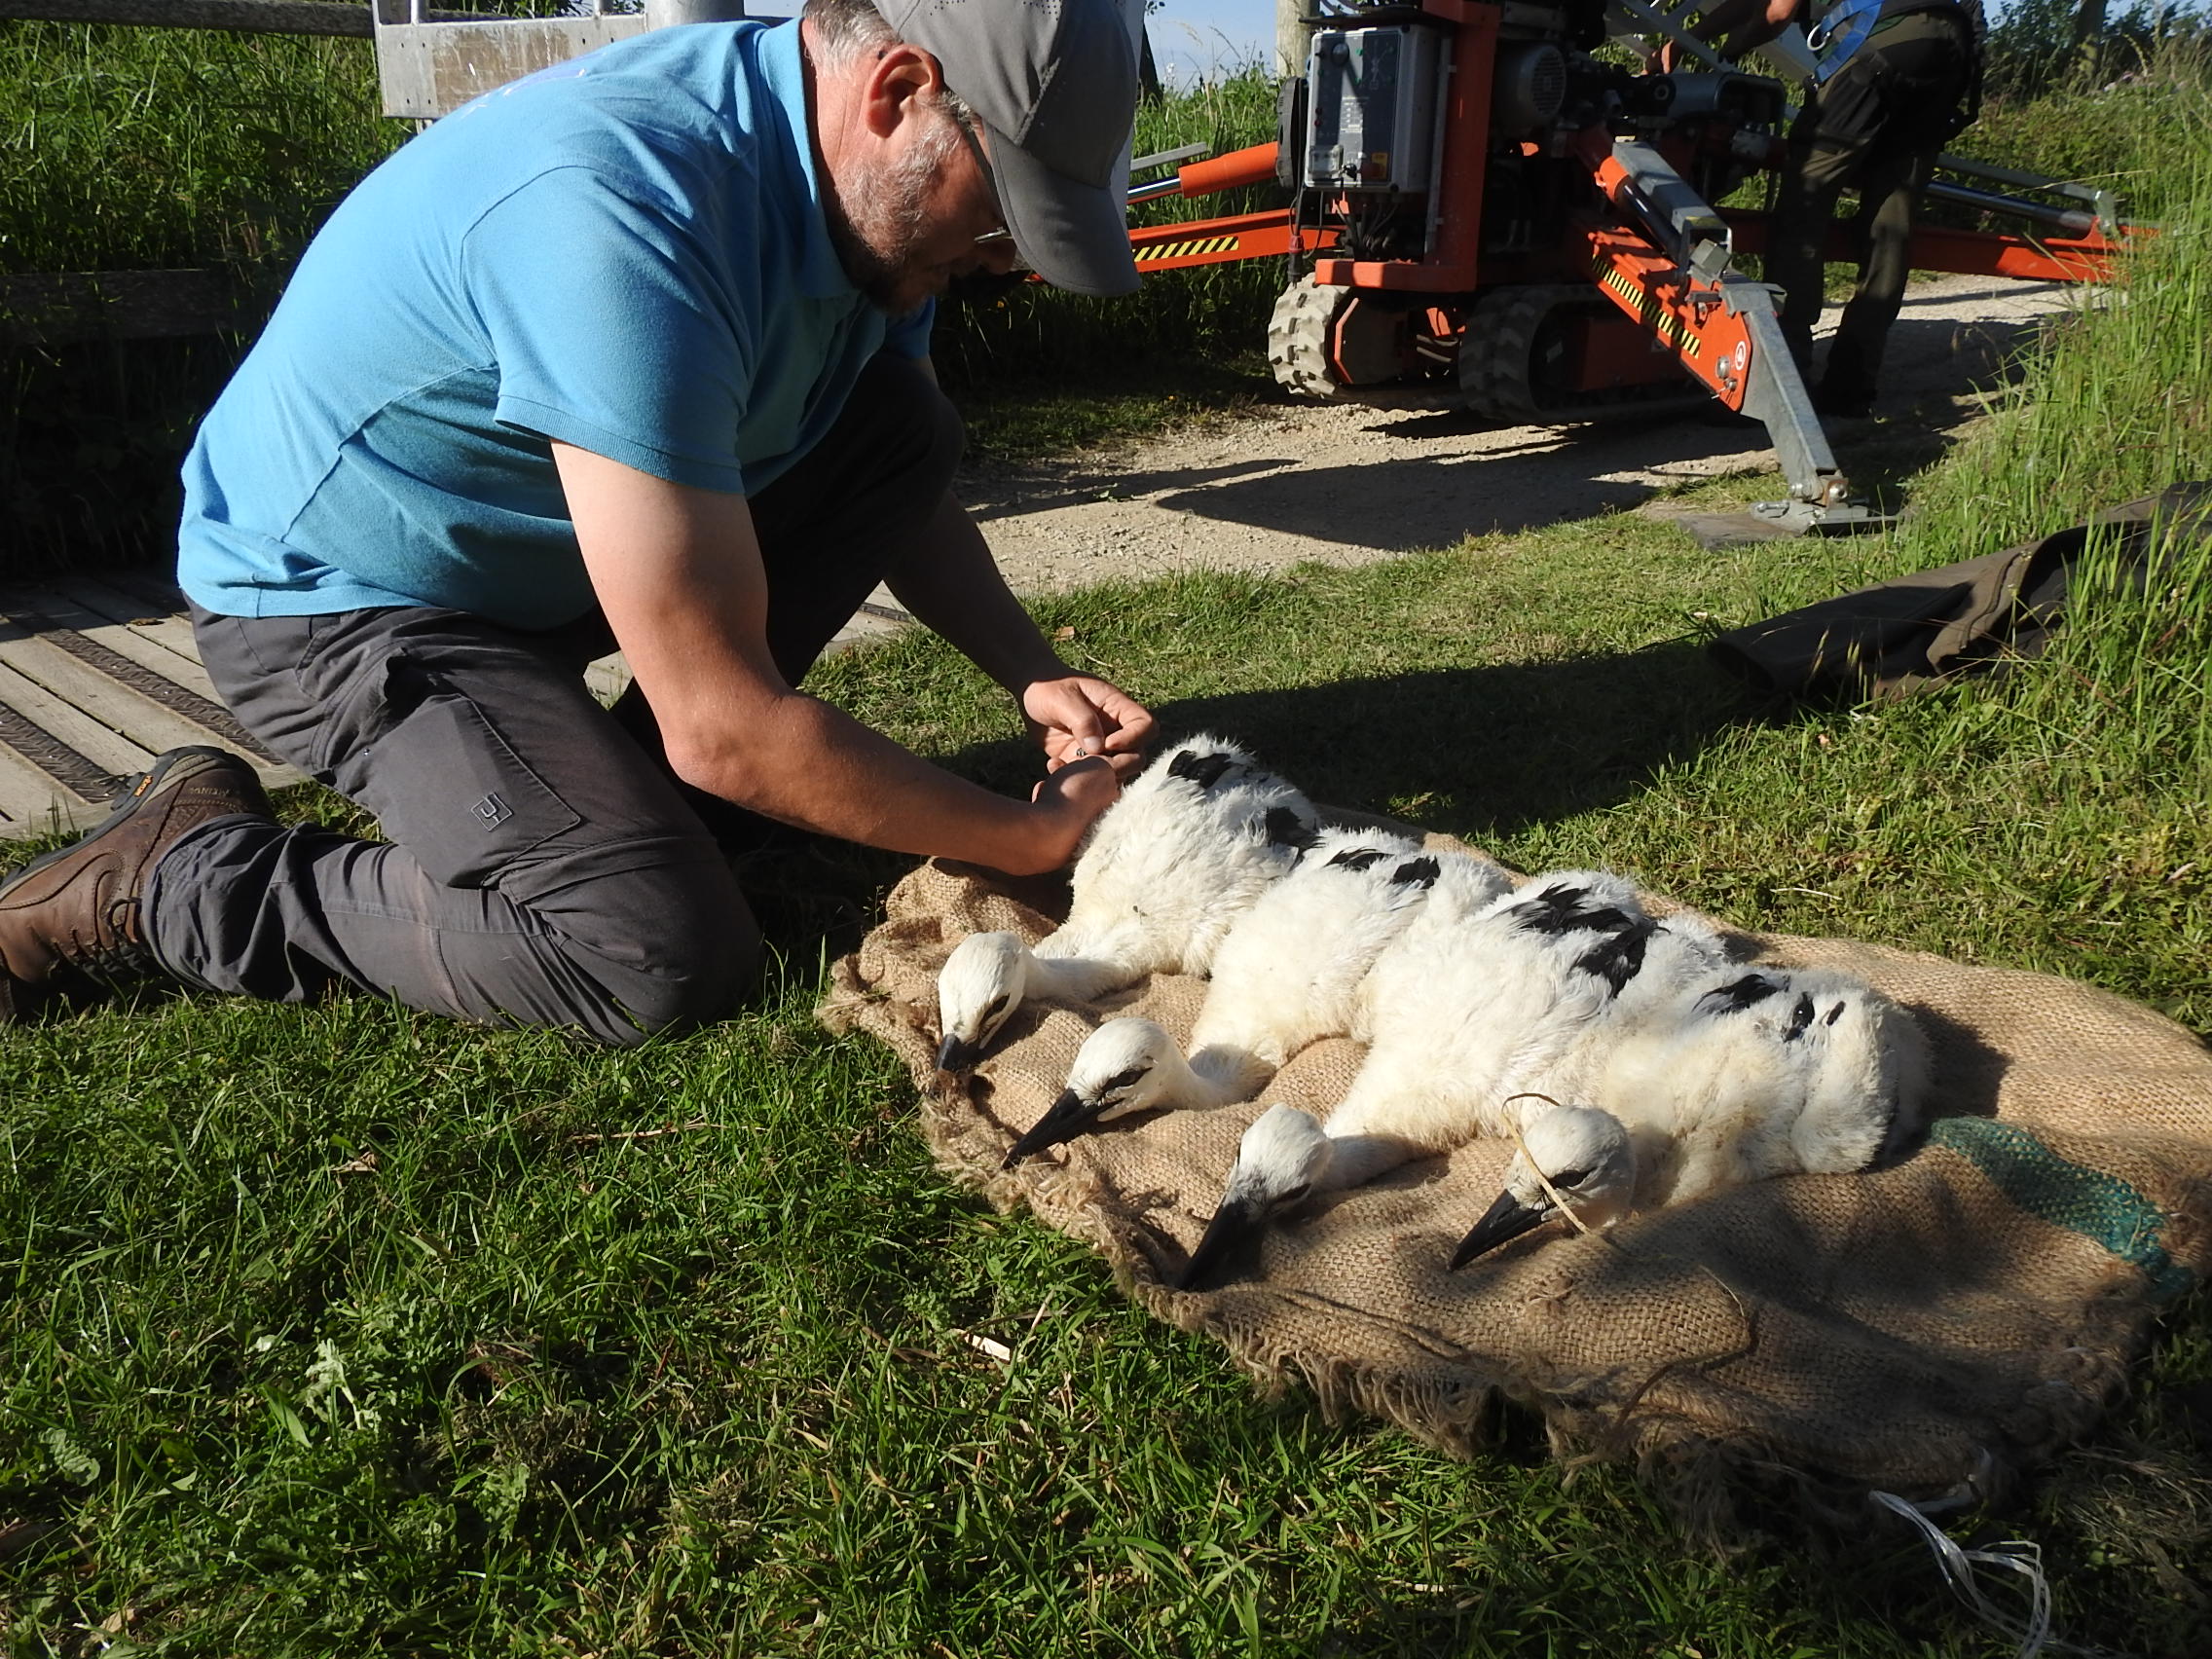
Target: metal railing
(347,18)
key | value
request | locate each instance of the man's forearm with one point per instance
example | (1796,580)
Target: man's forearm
(1738,26)
(953,587)
(801,762)
(679,576)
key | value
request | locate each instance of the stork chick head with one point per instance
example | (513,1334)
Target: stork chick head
(981,983)
(1586,1155)
(1864,1067)
(1281,1158)
(1121,1067)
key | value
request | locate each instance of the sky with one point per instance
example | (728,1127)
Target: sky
(1194,38)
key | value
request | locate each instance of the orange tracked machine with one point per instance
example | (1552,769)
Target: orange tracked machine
(1488,212)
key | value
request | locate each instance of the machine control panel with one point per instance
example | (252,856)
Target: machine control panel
(1372,106)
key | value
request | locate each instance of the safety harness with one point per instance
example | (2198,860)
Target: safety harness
(1841,31)
(1843,27)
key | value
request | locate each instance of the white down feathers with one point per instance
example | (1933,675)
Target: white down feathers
(1193,840)
(1641,1065)
(1289,971)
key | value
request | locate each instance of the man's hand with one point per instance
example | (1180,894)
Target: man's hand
(1077,717)
(1075,796)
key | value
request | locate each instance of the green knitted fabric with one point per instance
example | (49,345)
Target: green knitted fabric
(2098,1206)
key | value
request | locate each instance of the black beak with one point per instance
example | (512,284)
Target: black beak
(958,1054)
(1067,1118)
(1505,1221)
(1234,1224)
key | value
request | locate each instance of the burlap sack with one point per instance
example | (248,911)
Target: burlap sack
(1931,1328)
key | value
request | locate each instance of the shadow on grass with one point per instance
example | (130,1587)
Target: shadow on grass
(1495,479)
(1477,752)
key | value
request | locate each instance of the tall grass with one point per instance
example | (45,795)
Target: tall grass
(145,148)
(1033,333)
(126,149)
(2118,134)
(2110,412)
(2037,46)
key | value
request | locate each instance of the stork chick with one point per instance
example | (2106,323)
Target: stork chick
(1281,1161)
(1473,998)
(1289,971)
(1586,1157)
(1193,840)
(1755,1073)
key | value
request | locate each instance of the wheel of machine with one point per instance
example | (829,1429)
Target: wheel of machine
(1514,362)
(1298,338)
(1495,349)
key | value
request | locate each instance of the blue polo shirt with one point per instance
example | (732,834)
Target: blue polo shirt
(626,252)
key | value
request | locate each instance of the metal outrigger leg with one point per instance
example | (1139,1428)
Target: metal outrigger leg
(1752,369)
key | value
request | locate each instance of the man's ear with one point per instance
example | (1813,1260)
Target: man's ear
(894,84)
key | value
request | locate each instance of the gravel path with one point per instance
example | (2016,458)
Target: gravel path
(1348,484)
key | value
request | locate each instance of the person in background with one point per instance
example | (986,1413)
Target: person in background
(1897,80)
(631,353)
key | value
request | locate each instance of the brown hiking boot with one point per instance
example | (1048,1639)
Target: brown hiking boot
(78,907)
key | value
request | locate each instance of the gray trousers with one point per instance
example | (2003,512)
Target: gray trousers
(542,866)
(1876,128)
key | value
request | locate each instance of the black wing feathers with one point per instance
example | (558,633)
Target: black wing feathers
(1734,998)
(1618,957)
(1204,767)
(1285,828)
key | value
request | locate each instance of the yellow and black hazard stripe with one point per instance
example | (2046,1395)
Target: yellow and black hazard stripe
(1186,249)
(1668,327)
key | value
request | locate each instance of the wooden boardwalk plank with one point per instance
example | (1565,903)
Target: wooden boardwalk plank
(135,620)
(98,675)
(74,606)
(102,745)
(138,718)
(31,803)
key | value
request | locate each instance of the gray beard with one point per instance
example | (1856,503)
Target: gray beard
(879,235)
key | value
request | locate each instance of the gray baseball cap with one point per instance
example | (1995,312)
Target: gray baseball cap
(1054,83)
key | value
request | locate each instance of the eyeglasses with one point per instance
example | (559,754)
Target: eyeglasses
(990,184)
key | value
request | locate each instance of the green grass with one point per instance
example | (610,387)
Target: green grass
(342,1330)
(345,1330)
(131,149)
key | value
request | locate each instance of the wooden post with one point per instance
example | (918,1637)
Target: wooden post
(1290,38)
(661,14)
